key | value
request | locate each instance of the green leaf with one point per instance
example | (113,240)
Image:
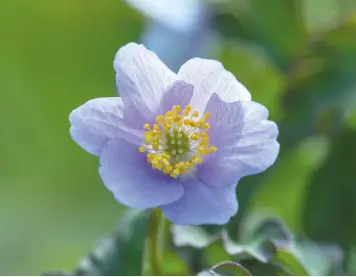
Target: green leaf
(262,22)
(319,85)
(191,236)
(261,250)
(103,260)
(132,230)
(229,268)
(174,265)
(290,262)
(271,229)
(258,268)
(319,259)
(288,178)
(330,203)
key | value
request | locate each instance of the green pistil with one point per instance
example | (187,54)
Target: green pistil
(177,143)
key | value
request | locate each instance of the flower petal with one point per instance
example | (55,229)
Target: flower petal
(208,77)
(179,94)
(245,139)
(202,204)
(142,79)
(97,121)
(132,181)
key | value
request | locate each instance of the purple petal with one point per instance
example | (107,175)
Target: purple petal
(179,94)
(97,121)
(208,77)
(202,204)
(132,181)
(245,139)
(142,79)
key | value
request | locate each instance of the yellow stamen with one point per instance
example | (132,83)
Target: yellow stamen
(178,141)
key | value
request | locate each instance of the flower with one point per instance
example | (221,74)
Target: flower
(180,142)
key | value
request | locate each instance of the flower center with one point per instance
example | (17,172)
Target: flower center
(178,140)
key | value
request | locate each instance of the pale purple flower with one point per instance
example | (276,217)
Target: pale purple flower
(180,142)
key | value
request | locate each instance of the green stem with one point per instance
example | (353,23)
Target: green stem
(154,244)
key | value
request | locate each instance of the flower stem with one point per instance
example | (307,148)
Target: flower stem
(152,262)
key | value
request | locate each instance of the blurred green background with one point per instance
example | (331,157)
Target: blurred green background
(297,57)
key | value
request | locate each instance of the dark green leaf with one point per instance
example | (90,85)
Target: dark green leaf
(262,23)
(132,231)
(319,85)
(103,260)
(330,204)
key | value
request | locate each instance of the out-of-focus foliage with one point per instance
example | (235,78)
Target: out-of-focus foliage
(55,55)
(297,57)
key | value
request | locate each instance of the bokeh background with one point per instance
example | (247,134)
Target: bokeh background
(297,57)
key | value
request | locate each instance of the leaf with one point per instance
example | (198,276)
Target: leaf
(285,202)
(265,269)
(173,264)
(262,23)
(132,230)
(289,261)
(330,203)
(319,85)
(319,259)
(269,248)
(300,253)
(229,268)
(261,250)
(272,229)
(103,260)
(190,236)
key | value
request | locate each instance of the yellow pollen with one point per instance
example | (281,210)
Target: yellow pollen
(195,114)
(206,126)
(178,141)
(176,109)
(169,114)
